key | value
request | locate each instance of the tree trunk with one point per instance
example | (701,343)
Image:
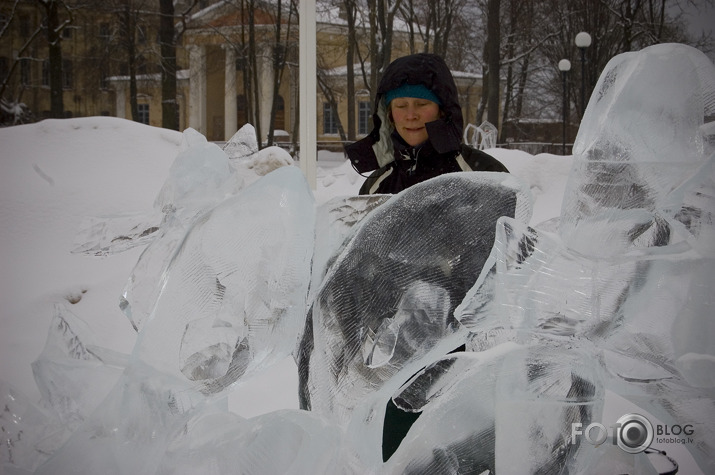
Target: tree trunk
(350,59)
(167,39)
(131,49)
(54,40)
(252,52)
(494,43)
(277,67)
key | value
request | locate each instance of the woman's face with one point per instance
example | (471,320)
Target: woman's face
(410,115)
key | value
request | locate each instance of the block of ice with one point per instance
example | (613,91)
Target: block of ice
(455,397)
(73,373)
(243,144)
(234,296)
(199,178)
(542,390)
(643,154)
(389,295)
(248,160)
(626,279)
(279,442)
(335,222)
(133,427)
(618,299)
(30,433)
(643,176)
(146,280)
(104,235)
(232,302)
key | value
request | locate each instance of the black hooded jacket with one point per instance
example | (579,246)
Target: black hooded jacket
(397,165)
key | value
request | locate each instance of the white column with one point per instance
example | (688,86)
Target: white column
(308,93)
(197,88)
(265,88)
(230,106)
(121,99)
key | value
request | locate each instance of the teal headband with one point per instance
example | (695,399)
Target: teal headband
(418,91)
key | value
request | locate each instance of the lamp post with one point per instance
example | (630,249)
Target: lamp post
(583,41)
(564,67)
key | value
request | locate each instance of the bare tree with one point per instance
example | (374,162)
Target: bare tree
(351,18)
(381,20)
(432,21)
(167,44)
(169,38)
(281,50)
(493,59)
(329,93)
(4,34)
(55,25)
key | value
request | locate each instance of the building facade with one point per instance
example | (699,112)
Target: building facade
(234,68)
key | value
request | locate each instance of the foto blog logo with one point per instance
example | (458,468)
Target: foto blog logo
(633,433)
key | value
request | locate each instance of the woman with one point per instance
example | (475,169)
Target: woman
(417,132)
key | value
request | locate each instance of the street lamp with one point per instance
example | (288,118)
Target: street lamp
(564,67)
(583,41)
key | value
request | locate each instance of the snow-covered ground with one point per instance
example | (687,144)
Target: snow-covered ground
(57,173)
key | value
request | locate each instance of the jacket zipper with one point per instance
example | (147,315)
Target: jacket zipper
(411,154)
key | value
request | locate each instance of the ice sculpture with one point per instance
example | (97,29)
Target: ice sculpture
(279,442)
(30,433)
(643,190)
(388,297)
(617,298)
(233,301)
(74,373)
(483,137)
(625,282)
(202,176)
(236,288)
(105,235)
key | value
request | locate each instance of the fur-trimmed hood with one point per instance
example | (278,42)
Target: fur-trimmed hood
(445,134)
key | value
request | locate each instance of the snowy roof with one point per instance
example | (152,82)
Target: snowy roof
(343,71)
(325,14)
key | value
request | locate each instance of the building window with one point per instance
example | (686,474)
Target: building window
(67,74)
(242,112)
(141,35)
(46,72)
(104,33)
(25,76)
(363,117)
(241,63)
(280,122)
(330,124)
(4,67)
(143,110)
(24,26)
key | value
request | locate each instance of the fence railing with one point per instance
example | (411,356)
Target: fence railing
(535,148)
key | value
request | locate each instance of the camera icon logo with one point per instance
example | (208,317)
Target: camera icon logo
(634,433)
